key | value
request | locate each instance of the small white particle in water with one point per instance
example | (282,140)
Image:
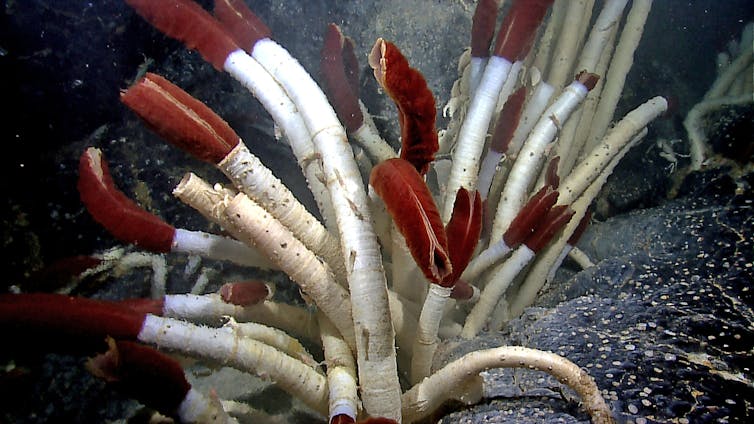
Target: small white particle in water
(633,409)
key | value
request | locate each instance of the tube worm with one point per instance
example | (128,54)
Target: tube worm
(482,31)
(81,319)
(193,127)
(455,379)
(341,375)
(245,293)
(340,79)
(523,225)
(503,275)
(410,203)
(415,102)
(225,345)
(600,157)
(620,65)
(513,41)
(180,18)
(257,227)
(595,57)
(462,234)
(505,126)
(526,167)
(155,379)
(537,274)
(128,222)
(569,39)
(207,308)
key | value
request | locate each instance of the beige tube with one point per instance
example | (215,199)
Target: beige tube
(257,227)
(254,179)
(599,158)
(621,64)
(425,397)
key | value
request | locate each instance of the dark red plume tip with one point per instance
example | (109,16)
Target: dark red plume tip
(340,78)
(144,306)
(378,420)
(342,419)
(463,232)
(462,291)
(553,222)
(123,218)
(142,373)
(519,28)
(78,318)
(507,121)
(186,21)
(551,175)
(579,230)
(180,119)
(483,27)
(416,104)
(589,79)
(415,214)
(241,23)
(530,216)
(244,293)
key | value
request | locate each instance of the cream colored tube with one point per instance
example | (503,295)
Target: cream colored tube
(285,114)
(258,228)
(553,30)
(598,46)
(276,338)
(599,158)
(425,344)
(210,308)
(468,149)
(623,60)
(198,194)
(694,125)
(368,137)
(498,283)
(543,268)
(568,41)
(254,179)
(607,21)
(226,347)
(425,397)
(341,372)
(485,259)
(724,81)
